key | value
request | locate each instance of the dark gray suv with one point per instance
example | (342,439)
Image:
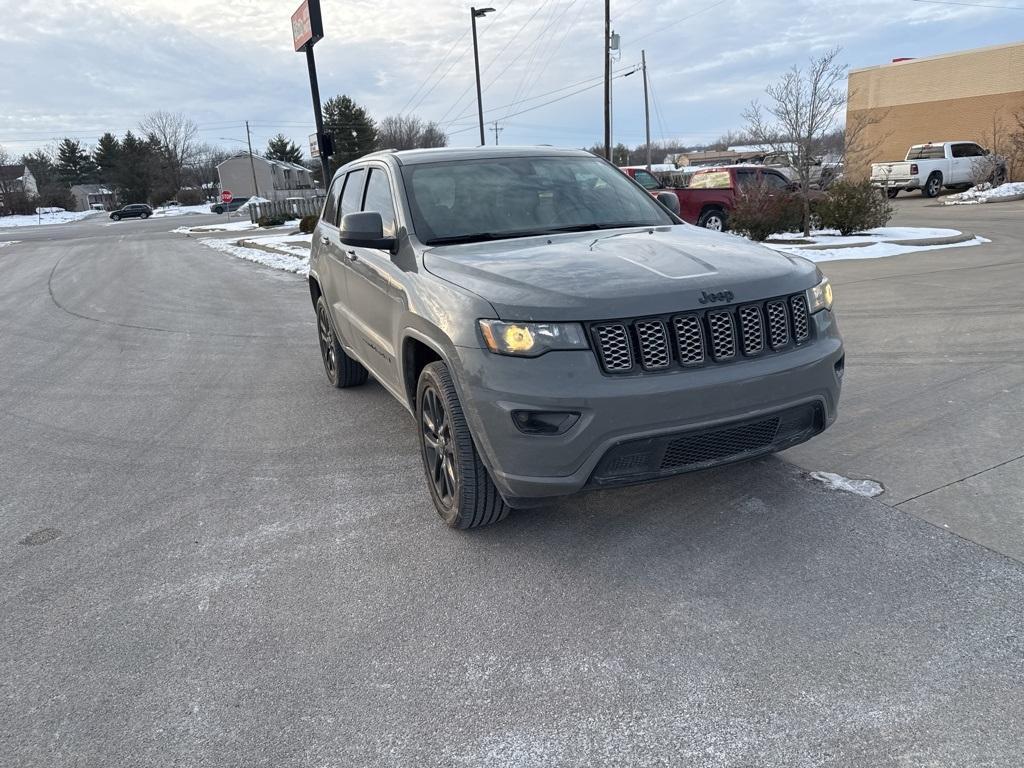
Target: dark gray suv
(553,328)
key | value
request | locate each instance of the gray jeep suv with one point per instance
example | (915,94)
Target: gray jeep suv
(554,328)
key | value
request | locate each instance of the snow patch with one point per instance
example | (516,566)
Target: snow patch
(986,193)
(836,482)
(45,216)
(4,244)
(297,264)
(180,210)
(231,226)
(873,244)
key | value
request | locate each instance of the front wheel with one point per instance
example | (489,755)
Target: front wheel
(115,217)
(342,371)
(933,186)
(460,487)
(713,219)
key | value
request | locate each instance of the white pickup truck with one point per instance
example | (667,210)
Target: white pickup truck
(930,167)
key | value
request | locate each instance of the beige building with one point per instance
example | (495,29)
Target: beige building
(275,179)
(970,95)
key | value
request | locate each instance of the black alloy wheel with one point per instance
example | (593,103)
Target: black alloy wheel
(342,371)
(327,346)
(439,448)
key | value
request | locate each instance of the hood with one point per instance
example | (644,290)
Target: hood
(616,274)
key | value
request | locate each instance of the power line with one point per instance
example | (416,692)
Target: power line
(431,74)
(973,5)
(680,20)
(521,89)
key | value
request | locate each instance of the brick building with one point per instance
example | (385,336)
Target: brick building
(971,95)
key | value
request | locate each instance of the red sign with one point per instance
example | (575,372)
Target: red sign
(226,196)
(307,24)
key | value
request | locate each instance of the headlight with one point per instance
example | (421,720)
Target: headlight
(820,296)
(531,339)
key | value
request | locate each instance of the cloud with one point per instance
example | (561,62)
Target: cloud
(79,68)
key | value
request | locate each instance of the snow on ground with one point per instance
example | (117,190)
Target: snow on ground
(3,244)
(295,244)
(244,207)
(228,226)
(877,246)
(181,210)
(836,482)
(298,265)
(986,193)
(58,216)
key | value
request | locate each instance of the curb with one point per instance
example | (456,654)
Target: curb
(243,243)
(1010,199)
(963,237)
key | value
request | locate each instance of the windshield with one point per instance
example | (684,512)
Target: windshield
(496,198)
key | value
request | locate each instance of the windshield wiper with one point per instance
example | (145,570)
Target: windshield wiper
(479,237)
(472,237)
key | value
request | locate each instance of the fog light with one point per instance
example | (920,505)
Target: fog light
(545,422)
(840,367)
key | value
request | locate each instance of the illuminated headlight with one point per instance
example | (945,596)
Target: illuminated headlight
(820,296)
(531,339)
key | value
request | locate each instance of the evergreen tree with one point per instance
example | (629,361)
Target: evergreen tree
(351,129)
(52,190)
(136,164)
(108,148)
(74,165)
(282,148)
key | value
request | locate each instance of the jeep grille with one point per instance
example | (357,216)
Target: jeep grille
(694,339)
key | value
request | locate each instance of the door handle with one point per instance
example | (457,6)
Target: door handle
(324,240)
(351,255)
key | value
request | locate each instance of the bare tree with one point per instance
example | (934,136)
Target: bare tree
(409,132)
(804,106)
(177,136)
(6,181)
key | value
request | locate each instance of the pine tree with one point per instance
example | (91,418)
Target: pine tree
(136,166)
(351,129)
(74,165)
(108,148)
(282,148)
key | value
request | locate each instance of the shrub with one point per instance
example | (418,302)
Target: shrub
(190,196)
(851,206)
(270,221)
(760,212)
(308,223)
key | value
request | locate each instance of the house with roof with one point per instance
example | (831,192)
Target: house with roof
(16,179)
(93,196)
(273,180)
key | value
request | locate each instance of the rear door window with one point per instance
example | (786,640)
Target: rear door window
(330,212)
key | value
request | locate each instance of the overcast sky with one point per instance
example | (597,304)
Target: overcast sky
(77,68)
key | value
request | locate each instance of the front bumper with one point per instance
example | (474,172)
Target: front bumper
(621,410)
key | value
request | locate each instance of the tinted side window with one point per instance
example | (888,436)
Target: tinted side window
(775,181)
(330,212)
(961,150)
(647,181)
(378,198)
(353,194)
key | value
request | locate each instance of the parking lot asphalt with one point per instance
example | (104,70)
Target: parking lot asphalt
(208,557)
(933,402)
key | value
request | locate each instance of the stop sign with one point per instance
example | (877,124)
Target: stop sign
(226,196)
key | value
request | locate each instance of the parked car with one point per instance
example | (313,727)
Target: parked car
(234,205)
(554,329)
(711,196)
(932,166)
(135,210)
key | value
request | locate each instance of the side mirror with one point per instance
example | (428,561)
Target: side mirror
(670,201)
(365,230)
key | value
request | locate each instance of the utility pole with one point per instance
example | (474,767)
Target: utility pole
(252,163)
(647,109)
(607,80)
(496,130)
(474,14)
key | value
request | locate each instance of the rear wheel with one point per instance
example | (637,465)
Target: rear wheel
(998,177)
(218,209)
(460,486)
(713,219)
(342,371)
(891,193)
(933,186)
(144,215)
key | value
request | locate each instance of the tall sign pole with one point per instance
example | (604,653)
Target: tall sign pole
(608,80)
(647,109)
(307,29)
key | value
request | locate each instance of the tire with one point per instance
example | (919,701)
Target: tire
(891,193)
(998,177)
(342,371)
(933,186)
(144,215)
(218,210)
(460,486)
(713,219)
(115,216)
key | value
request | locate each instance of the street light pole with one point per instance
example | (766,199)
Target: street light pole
(475,13)
(647,109)
(607,80)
